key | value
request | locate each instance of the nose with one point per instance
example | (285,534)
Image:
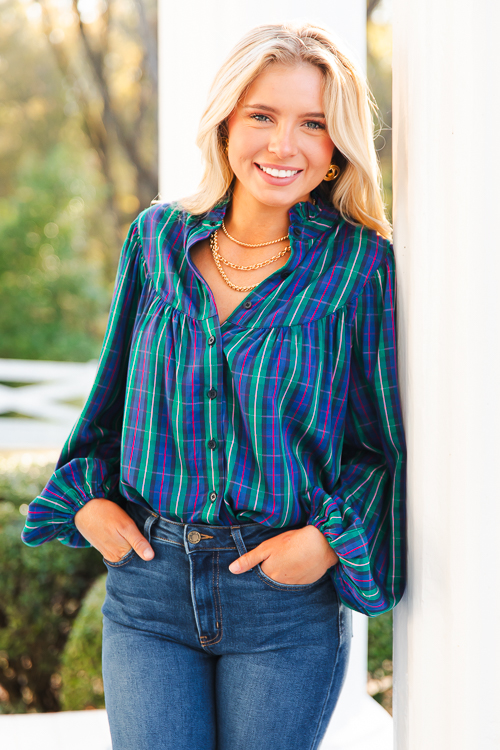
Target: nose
(282,142)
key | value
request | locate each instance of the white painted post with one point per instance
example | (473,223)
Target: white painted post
(446,62)
(194,39)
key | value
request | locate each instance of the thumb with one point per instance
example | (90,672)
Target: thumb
(248,560)
(139,542)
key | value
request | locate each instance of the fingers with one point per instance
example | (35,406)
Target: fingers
(110,529)
(136,540)
(249,560)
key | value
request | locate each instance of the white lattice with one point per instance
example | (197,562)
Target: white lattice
(45,419)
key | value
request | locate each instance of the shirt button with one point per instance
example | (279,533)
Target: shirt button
(213,496)
(212,393)
(296,232)
(285,274)
(213,223)
(194,537)
(247,304)
(212,443)
(211,340)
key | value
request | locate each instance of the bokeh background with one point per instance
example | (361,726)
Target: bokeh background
(78,161)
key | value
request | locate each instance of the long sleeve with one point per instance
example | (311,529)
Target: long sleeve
(89,464)
(364,519)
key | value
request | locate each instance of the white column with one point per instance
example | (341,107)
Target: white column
(447,196)
(194,39)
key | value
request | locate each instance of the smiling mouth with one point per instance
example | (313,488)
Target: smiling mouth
(283,173)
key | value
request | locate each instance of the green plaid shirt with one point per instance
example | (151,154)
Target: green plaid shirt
(286,414)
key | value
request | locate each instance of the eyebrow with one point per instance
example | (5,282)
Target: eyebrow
(275,111)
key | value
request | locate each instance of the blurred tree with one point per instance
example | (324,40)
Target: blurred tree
(54,296)
(103,60)
(78,145)
(379,71)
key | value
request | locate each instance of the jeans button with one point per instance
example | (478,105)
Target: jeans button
(194,537)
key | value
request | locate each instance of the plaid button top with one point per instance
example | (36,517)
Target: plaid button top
(286,414)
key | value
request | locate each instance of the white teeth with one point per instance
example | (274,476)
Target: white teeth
(278,172)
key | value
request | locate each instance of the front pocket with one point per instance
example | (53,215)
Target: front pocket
(287,586)
(122,561)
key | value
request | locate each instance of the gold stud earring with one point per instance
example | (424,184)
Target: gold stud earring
(332,173)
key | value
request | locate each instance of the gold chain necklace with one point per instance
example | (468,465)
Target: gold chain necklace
(246,244)
(214,246)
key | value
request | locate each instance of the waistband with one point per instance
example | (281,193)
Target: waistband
(201,536)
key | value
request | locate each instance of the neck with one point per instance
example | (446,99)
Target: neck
(251,221)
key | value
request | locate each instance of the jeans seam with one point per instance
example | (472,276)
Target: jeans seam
(218,608)
(341,640)
(167,541)
(123,561)
(214,549)
(286,586)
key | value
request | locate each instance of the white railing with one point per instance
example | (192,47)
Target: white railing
(41,394)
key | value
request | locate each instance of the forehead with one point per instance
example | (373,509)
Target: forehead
(299,87)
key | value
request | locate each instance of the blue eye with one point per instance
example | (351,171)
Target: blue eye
(319,125)
(257,115)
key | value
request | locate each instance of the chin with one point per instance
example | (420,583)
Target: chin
(281,199)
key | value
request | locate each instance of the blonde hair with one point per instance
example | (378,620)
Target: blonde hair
(348,103)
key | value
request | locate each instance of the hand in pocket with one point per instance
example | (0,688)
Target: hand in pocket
(110,529)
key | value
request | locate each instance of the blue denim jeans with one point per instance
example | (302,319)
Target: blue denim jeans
(198,658)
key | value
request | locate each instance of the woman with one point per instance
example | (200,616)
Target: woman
(240,460)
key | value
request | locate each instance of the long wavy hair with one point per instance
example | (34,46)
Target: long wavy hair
(348,104)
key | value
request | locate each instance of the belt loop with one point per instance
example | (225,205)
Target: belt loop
(238,540)
(147,526)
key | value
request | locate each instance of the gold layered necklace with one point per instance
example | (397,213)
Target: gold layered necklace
(214,246)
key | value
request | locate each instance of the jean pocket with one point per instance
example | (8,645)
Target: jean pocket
(288,586)
(122,561)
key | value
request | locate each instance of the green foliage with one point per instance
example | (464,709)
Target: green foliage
(21,481)
(379,641)
(74,171)
(42,588)
(81,663)
(54,300)
(380,659)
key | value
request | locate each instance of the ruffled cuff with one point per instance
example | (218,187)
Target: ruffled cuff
(352,576)
(51,514)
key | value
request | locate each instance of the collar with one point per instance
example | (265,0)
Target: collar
(307,219)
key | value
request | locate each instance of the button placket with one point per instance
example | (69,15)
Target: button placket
(215,406)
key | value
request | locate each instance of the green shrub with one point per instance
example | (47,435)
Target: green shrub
(23,477)
(380,659)
(81,662)
(42,588)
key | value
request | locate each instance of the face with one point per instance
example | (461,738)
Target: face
(280,125)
